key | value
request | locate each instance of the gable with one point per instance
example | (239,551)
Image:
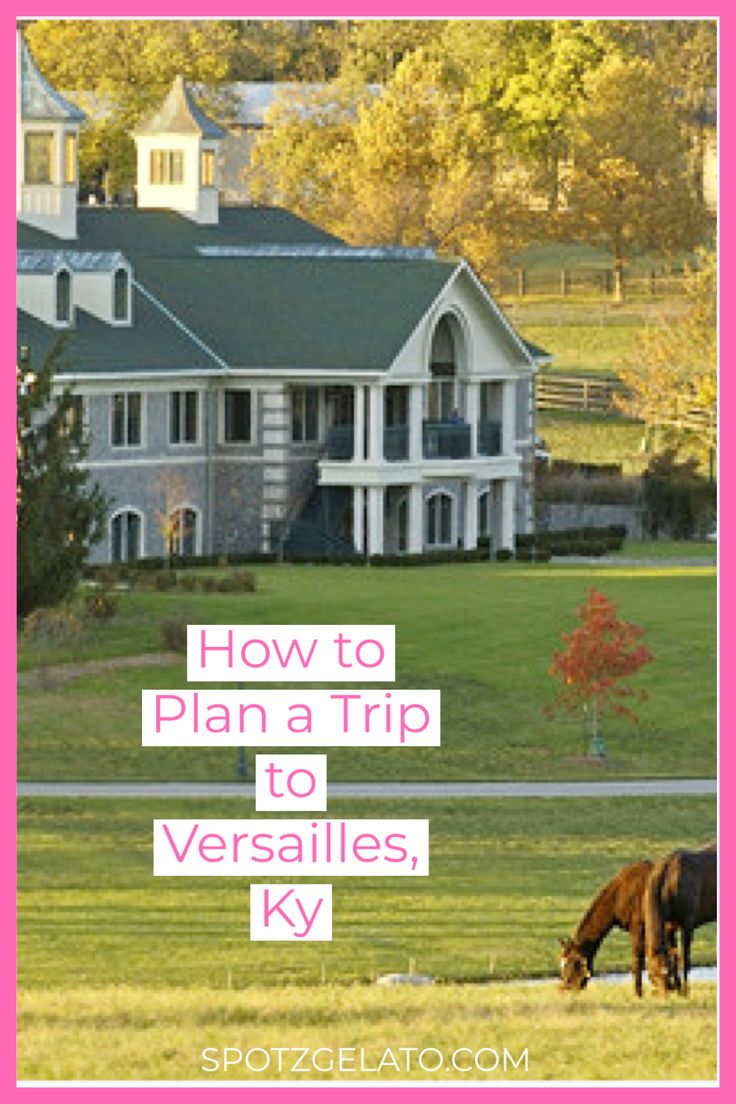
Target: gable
(492,346)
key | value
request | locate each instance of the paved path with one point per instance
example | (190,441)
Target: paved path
(656,787)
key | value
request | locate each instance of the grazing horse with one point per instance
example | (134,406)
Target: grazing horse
(619,904)
(681,890)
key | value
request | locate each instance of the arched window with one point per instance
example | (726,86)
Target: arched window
(439,519)
(442,369)
(121,296)
(183,531)
(63,296)
(125,536)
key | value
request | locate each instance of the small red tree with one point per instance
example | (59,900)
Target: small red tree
(599,655)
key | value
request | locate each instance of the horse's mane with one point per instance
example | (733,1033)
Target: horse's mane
(608,896)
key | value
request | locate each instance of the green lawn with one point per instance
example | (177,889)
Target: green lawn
(125,976)
(584,438)
(483,634)
(507,879)
(584,346)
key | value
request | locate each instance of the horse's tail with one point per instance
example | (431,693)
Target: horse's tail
(656,941)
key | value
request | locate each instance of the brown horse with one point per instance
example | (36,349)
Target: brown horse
(619,904)
(681,890)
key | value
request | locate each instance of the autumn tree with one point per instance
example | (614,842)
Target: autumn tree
(599,656)
(118,70)
(415,164)
(172,492)
(630,187)
(672,378)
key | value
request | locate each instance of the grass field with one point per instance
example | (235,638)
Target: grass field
(507,879)
(483,634)
(122,1034)
(586,438)
(122,976)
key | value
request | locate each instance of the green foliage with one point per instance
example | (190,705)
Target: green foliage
(59,516)
(678,501)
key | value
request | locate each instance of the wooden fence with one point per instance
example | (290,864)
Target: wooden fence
(596,394)
(591,393)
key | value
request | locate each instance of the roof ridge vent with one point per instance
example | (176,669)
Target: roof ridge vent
(326,252)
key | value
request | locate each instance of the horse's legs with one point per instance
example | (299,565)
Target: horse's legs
(637,957)
(687,936)
(673,975)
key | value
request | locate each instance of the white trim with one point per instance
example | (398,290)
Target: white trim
(221,422)
(197,442)
(465,267)
(144,420)
(142,534)
(128,319)
(201,458)
(268,377)
(462,357)
(452,495)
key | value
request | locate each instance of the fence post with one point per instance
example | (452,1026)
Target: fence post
(521,281)
(564,282)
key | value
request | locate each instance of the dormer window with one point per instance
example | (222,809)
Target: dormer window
(121,296)
(70,157)
(39,156)
(63,297)
(207,168)
(167,167)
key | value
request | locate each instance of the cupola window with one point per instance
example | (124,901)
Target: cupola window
(70,158)
(207,162)
(167,167)
(39,156)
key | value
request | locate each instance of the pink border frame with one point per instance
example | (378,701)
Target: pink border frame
(727,522)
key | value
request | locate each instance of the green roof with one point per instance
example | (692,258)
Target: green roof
(311,312)
(318,309)
(152,344)
(143,233)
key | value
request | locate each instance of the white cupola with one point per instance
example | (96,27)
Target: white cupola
(47,141)
(177,158)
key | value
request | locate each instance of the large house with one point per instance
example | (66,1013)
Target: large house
(249,381)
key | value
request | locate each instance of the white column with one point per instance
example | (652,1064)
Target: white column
(415,542)
(358,508)
(470,528)
(359,422)
(375,521)
(472,408)
(508,418)
(375,428)
(508,490)
(416,415)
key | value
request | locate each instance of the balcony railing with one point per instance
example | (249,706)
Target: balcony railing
(441,441)
(446,441)
(339,442)
(396,442)
(489,438)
